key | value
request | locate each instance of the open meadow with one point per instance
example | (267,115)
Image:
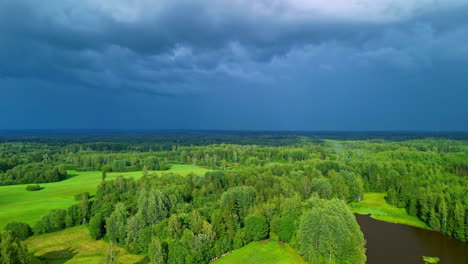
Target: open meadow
(378,208)
(73,245)
(268,252)
(18,204)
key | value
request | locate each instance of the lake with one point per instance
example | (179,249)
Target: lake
(389,243)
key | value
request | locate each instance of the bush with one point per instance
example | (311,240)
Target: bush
(19,230)
(51,222)
(34,187)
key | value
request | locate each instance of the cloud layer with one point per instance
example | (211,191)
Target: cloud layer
(211,49)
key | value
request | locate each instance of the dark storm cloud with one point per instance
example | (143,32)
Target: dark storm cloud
(296,49)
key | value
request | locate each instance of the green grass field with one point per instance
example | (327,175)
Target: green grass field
(271,252)
(18,204)
(72,245)
(376,205)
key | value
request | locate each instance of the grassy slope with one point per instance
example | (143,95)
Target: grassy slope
(17,204)
(260,252)
(72,245)
(376,205)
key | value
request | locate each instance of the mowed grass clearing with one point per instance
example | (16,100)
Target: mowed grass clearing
(268,252)
(72,245)
(376,205)
(18,204)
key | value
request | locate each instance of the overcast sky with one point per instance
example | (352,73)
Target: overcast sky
(234,64)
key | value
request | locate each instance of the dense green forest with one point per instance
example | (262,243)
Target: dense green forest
(285,186)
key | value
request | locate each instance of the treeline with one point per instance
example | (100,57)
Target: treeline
(33,173)
(215,157)
(114,162)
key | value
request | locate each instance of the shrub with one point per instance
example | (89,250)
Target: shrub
(34,187)
(51,222)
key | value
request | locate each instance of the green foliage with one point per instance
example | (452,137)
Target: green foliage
(431,260)
(156,252)
(154,206)
(97,226)
(238,200)
(286,229)
(82,196)
(392,196)
(116,224)
(51,222)
(33,173)
(354,184)
(19,230)
(33,188)
(12,250)
(330,234)
(322,187)
(256,228)
(326,166)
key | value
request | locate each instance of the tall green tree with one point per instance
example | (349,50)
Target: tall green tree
(330,234)
(156,252)
(116,224)
(459,216)
(256,228)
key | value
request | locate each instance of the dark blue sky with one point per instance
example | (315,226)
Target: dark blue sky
(238,64)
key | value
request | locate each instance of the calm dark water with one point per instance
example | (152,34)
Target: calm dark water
(389,243)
